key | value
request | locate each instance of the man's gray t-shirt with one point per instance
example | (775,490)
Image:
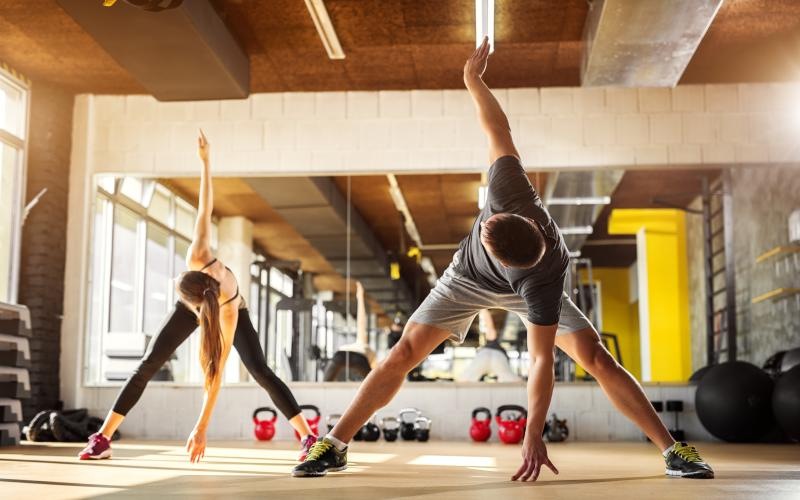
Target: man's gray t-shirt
(541,287)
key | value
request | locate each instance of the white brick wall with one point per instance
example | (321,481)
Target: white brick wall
(419,130)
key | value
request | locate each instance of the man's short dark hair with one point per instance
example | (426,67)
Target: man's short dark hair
(514,240)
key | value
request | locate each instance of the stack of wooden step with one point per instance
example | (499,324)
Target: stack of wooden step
(15,360)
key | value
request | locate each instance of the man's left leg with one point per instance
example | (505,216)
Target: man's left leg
(582,343)
(627,395)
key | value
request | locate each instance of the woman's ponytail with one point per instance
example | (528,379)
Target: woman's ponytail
(202,291)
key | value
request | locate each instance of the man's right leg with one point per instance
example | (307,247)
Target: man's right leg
(382,383)
(380,386)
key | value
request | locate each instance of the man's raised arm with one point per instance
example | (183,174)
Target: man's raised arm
(491,116)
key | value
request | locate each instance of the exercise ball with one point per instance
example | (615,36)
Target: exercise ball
(734,401)
(696,376)
(786,403)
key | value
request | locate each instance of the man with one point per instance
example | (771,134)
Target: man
(514,258)
(491,358)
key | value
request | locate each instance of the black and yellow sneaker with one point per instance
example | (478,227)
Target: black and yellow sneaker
(322,458)
(684,461)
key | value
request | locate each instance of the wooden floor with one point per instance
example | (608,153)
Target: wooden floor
(393,470)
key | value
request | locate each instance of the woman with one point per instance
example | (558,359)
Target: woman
(491,359)
(209,296)
(357,359)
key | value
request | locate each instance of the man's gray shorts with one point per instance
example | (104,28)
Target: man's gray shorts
(455,301)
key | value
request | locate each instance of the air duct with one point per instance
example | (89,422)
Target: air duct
(642,43)
(577,218)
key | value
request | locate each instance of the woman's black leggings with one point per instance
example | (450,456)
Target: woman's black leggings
(175,330)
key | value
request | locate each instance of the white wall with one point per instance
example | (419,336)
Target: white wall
(590,416)
(402,131)
(335,132)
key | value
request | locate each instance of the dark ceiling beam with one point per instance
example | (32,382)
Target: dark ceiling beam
(184,53)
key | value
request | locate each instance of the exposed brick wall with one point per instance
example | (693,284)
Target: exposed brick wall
(44,237)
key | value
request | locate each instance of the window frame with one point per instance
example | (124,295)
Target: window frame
(20,144)
(113,200)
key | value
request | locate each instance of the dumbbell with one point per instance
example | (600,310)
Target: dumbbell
(675,407)
(422,429)
(408,418)
(391,428)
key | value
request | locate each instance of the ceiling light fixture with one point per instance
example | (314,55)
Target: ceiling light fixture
(484,22)
(580,200)
(483,191)
(319,14)
(577,230)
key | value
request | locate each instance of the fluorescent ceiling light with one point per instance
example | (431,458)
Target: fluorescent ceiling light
(319,14)
(576,230)
(483,193)
(484,22)
(580,200)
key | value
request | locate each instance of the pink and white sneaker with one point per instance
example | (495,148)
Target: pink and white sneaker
(306,444)
(98,448)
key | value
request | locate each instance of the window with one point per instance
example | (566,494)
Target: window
(140,237)
(269,285)
(13,129)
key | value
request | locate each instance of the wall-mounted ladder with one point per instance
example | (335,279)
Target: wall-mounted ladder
(720,268)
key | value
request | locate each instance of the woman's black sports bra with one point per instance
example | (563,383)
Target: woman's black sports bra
(229,270)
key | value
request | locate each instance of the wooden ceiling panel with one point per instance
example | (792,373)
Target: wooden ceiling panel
(749,41)
(539,21)
(404,44)
(41,41)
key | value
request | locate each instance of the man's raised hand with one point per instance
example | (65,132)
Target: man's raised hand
(476,64)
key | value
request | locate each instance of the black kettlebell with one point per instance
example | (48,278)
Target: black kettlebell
(391,428)
(422,429)
(370,431)
(408,418)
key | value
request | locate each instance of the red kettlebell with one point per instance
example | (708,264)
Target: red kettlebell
(265,429)
(313,422)
(481,428)
(511,431)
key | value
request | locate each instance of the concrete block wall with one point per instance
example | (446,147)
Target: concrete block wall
(590,416)
(418,130)
(762,202)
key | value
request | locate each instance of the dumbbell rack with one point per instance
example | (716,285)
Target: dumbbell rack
(15,360)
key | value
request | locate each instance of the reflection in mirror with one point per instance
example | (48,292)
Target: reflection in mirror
(338,264)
